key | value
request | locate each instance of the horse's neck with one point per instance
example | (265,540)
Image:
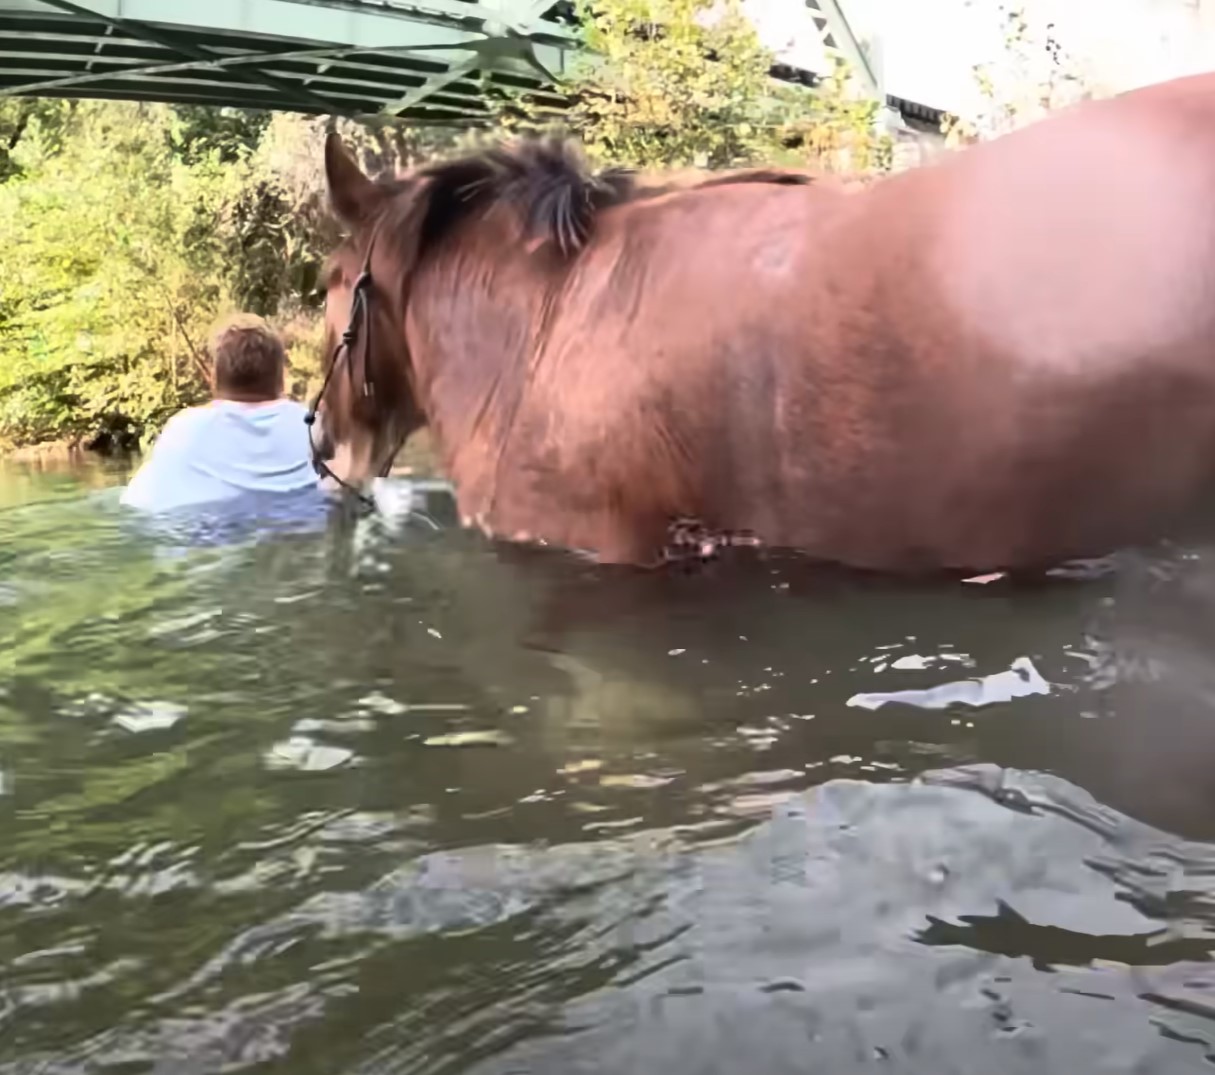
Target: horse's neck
(473,326)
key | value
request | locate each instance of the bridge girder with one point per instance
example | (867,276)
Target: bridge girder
(424,61)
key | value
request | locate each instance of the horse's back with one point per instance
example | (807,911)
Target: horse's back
(1084,244)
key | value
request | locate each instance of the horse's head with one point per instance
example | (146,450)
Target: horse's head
(375,393)
(369,405)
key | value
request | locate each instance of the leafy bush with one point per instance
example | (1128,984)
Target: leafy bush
(109,275)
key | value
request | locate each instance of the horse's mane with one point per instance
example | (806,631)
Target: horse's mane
(550,186)
(699,180)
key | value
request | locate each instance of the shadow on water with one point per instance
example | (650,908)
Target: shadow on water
(370,796)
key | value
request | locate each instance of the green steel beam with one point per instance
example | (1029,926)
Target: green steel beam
(356,23)
(226,55)
(231,58)
(180,46)
(427,116)
(844,42)
(432,86)
(429,87)
(247,59)
(452,38)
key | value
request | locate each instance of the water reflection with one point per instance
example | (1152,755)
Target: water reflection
(376,796)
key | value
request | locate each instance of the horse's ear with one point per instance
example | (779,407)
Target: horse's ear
(351,194)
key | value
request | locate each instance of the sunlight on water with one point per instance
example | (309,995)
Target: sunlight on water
(366,794)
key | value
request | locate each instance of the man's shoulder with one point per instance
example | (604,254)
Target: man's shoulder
(292,407)
(290,417)
(184,424)
(189,417)
(285,407)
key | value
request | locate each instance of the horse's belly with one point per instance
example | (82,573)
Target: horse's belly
(1010,475)
(1120,465)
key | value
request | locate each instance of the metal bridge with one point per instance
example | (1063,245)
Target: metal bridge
(425,61)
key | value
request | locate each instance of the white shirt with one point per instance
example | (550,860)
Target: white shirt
(222,451)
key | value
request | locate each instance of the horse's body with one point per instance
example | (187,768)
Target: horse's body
(1002,360)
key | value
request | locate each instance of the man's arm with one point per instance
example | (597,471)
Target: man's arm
(145,489)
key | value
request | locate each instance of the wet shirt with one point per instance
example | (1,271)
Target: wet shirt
(224,451)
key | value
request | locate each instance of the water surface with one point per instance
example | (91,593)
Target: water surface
(372,795)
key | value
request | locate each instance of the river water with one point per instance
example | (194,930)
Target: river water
(372,795)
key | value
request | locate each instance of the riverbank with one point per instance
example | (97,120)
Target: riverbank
(56,452)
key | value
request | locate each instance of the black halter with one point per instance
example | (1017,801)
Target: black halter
(360,317)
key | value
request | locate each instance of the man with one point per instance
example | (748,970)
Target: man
(247,440)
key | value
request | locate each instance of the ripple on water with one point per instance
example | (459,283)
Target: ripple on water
(487,737)
(304,754)
(1020,681)
(192,629)
(901,920)
(691,856)
(150,716)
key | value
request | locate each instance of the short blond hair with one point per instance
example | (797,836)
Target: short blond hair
(247,357)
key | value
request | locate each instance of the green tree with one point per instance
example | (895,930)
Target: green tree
(111,272)
(199,132)
(1032,76)
(18,115)
(687,83)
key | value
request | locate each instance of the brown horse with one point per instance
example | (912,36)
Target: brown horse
(999,361)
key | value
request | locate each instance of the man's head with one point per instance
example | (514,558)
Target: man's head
(248,361)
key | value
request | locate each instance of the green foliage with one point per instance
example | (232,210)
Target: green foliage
(21,114)
(109,271)
(128,229)
(197,132)
(1032,76)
